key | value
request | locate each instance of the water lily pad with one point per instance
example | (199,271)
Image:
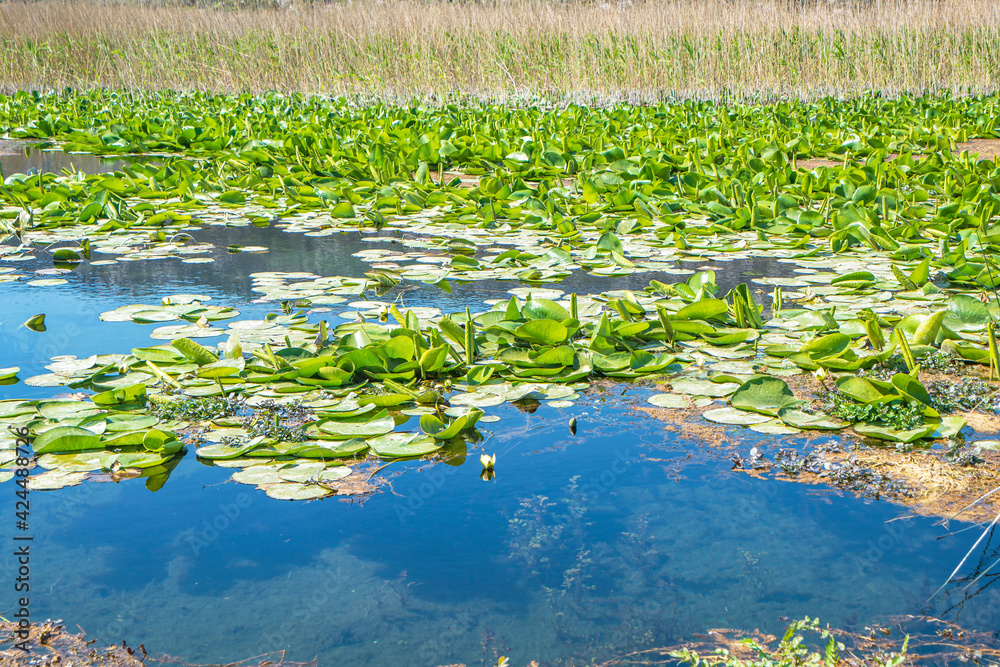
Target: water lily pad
(314,472)
(47,282)
(704,388)
(379,424)
(766,395)
(257,475)
(55,479)
(807,421)
(403,445)
(36,323)
(733,416)
(478,400)
(294,491)
(774,427)
(881,432)
(66,439)
(676,401)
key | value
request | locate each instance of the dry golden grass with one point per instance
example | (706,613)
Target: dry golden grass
(510,49)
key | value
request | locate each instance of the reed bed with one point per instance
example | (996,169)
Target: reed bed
(510,50)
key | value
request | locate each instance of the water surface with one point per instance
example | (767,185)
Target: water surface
(623,537)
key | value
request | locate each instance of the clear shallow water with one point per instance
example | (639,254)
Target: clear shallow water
(583,548)
(579,550)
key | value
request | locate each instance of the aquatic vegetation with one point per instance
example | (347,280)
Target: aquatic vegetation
(55,644)
(284,393)
(888,237)
(793,650)
(843,472)
(185,408)
(964,394)
(898,414)
(869,223)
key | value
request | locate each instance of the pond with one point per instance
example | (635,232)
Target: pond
(721,391)
(584,547)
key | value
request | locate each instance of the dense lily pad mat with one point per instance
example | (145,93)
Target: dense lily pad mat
(294,405)
(891,250)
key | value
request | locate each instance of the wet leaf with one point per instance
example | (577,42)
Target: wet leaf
(766,395)
(36,323)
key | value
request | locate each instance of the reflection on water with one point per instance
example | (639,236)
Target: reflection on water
(19,158)
(575,553)
(583,548)
(72,309)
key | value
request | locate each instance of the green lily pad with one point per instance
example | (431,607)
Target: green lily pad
(733,416)
(882,432)
(774,427)
(434,427)
(704,388)
(806,421)
(66,439)
(294,491)
(669,401)
(403,445)
(545,332)
(36,323)
(766,395)
(56,479)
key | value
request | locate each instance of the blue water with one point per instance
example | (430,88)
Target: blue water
(583,548)
(579,550)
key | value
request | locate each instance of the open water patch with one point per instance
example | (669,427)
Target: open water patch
(580,553)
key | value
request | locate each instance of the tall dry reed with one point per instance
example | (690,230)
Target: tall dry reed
(511,49)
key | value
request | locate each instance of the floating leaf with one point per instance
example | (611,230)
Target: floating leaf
(293,491)
(36,322)
(403,445)
(704,387)
(807,421)
(66,439)
(669,401)
(194,351)
(733,416)
(55,479)
(766,395)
